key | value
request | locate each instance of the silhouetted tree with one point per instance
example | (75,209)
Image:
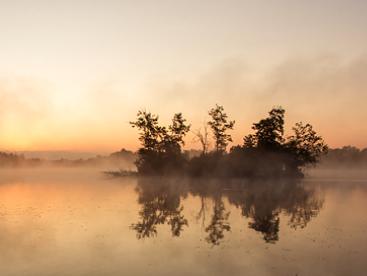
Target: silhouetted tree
(249,141)
(306,146)
(161,147)
(265,153)
(173,138)
(178,129)
(220,125)
(150,132)
(269,131)
(150,136)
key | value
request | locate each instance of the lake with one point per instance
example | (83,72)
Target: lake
(81,222)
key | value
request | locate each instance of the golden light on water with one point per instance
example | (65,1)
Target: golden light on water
(83,193)
(78,220)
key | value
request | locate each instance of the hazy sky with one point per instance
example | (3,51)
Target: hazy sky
(74,73)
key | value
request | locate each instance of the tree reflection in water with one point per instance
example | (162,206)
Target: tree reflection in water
(218,224)
(161,204)
(261,202)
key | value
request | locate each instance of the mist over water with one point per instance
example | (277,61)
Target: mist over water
(203,138)
(59,221)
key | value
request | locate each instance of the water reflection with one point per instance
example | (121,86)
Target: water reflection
(159,206)
(219,223)
(260,202)
(81,222)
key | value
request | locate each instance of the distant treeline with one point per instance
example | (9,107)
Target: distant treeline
(264,153)
(123,159)
(347,157)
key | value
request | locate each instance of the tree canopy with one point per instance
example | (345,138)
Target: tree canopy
(264,153)
(220,124)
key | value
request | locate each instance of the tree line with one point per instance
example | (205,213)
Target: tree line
(345,157)
(264,153)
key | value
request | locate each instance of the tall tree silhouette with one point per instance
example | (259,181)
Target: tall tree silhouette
(150,137)
(161,147)
(173,138)
(220,124)
(269,131)
(265,153)
(149,130)
(306,146)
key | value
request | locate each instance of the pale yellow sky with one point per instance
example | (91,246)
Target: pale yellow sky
(74,73)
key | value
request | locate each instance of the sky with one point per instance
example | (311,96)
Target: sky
(74,73)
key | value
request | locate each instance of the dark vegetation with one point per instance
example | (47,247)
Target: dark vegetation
(264,153)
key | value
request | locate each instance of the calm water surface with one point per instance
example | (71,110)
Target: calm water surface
(73,222)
